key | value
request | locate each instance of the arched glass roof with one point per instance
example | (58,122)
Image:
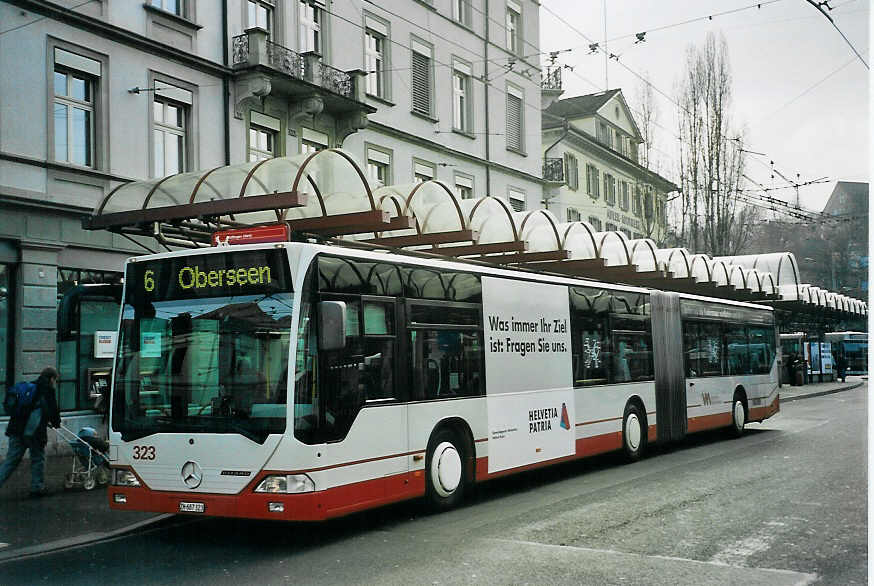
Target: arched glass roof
(326,193)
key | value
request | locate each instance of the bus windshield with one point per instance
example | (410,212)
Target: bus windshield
(209,361)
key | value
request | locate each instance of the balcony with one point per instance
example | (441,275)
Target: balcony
(553,170)
(311,87)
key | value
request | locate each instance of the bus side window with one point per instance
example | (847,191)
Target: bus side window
(590,343)
(738,349)
(445,350)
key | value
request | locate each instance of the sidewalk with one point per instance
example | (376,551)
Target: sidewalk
(59,519)
(790,393)
(68,517)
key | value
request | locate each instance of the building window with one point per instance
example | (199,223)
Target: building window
(609,189)
(611,227)
(312,141)
(573,215)
(627,232)
(168,133)
(605,134)
(515,122)
(461,106)
(311,19)
(592,181)
(463,186)
(262,143)
(74,109)
(378,166)
(571,172)
(595,223)
(260,14)
(421,80)
(517,199)
(647,203)
(623,196)
(423,171)
(374,55)
(514,27)
(635,202)
(176,7)
(461,12)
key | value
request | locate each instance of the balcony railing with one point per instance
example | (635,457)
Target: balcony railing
(553,170)
(335,80)
(252,49)
(552,79)
(286,61)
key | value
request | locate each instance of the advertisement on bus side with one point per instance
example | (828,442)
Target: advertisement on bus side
(528,372)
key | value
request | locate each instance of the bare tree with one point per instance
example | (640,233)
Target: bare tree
(648,119)
(711,158)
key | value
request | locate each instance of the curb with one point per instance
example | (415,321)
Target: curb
(78,540)
(790,398)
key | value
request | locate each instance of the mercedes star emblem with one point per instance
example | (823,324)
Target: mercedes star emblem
(192,475)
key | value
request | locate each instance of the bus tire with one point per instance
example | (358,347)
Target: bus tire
(738,415)
(444,470)
(633,432)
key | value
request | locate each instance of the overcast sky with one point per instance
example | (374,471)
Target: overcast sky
(778,54)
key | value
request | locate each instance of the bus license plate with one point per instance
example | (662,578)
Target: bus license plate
(192,507)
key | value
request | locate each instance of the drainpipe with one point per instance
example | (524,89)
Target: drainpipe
(486,92)
(566,130)
(226,86)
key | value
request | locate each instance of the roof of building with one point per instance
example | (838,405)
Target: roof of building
(854,202)
(581,105)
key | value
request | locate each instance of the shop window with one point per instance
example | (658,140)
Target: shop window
(88,302)
(6,309)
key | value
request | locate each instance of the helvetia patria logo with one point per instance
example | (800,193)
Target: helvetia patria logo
(541,419)
(565,420)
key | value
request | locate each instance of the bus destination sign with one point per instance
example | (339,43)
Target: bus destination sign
(250,272)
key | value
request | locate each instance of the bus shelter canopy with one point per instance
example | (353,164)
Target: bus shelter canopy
(327,194)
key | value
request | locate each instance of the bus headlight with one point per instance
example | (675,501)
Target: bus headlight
(290,484)
(121,477)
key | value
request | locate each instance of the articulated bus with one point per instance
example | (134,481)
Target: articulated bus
(304,381)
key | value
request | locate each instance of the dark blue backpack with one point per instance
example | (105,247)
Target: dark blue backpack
(19,399)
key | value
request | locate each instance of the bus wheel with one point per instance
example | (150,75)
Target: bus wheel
(444,471)
(633,433)
(738,416)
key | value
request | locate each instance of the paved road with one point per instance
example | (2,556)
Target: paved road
(785,504)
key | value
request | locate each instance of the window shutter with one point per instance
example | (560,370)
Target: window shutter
(514,122)
(421,84)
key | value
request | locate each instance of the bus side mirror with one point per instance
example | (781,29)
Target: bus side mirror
(332,325)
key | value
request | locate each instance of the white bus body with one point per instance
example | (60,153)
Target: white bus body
(451,373)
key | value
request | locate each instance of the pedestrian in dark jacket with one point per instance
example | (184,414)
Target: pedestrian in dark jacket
(18,443)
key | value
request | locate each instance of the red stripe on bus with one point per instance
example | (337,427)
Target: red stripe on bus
(708,422)
(353,463)
(762,413)
(312,506)
(585,446)
(599,421)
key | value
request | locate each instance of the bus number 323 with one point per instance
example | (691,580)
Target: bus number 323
(144,452)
